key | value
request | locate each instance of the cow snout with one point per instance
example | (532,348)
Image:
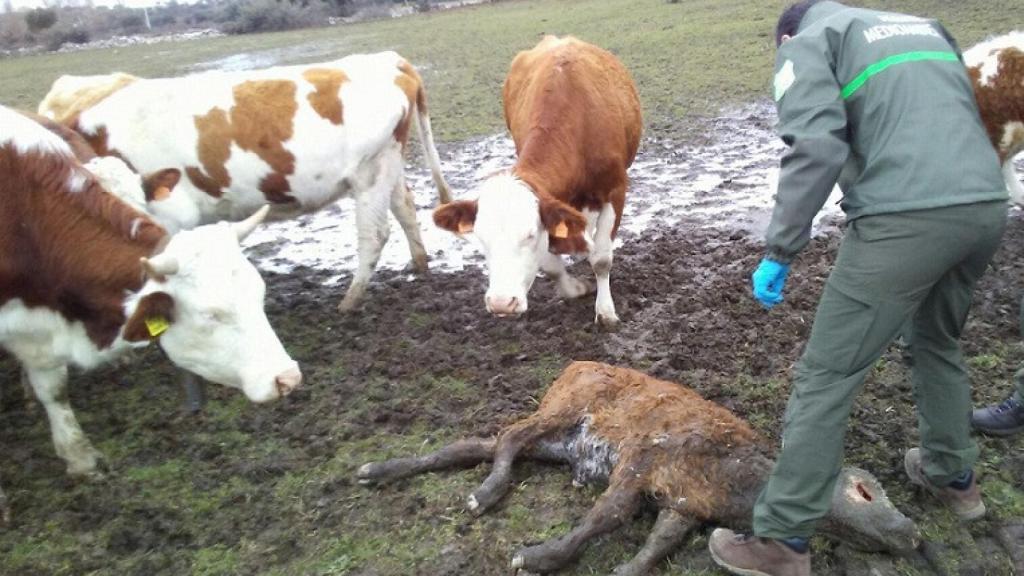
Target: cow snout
(504,305)
(288,381)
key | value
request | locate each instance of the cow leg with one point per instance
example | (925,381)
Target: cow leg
(463,453)
(1013,182)
(601,261)
(403,206)
(50,385)
(195,393)
(669,532)
(512,440)
(373,229)
(613,509)
(568,285)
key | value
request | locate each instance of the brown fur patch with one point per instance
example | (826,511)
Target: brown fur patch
(157,304)
(79,145)
(411,84)
(275,188)
(98,142)
(262,120)
(80,256)
(214,149)
(203,182)
(327,98)
(1001,101)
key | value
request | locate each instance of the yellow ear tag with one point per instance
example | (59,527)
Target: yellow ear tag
(561,231)
(161,193)
(465,227)
(157,325)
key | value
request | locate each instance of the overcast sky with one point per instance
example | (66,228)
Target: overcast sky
(24,4)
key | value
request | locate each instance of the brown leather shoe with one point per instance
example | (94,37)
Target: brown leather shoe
(966,504)
(752,556)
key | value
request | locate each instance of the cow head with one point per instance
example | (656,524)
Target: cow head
(203,300)
(516,228)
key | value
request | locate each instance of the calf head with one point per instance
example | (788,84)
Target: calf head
(516,227)
(863,517)
(203,300)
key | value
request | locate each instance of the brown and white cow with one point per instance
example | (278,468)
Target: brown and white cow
(996,68)
(85,278)
(574,115)
(298,137)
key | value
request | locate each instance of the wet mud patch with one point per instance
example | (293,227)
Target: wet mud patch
(245,489)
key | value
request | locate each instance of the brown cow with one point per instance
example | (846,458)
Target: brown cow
(645,437)
(574,114)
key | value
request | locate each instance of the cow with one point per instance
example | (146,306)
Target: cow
(654,440)
(298,137)
(85,278)
(574,114)
(996,68)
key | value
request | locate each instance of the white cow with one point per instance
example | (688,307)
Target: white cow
(299,137)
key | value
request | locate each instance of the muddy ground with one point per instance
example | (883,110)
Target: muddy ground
(245,489)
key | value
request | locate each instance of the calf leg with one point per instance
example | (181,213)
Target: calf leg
(601,261)
(372,224)
(568,285)
(613,509)
(669,532)
(50,385)
(463,453)
(513,440)
(404,208)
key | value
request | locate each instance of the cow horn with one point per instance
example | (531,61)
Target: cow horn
(161,265)
(245,227)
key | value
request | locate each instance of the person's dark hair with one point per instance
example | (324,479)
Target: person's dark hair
(790,20)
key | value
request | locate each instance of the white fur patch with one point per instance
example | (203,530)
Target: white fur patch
(40,337)
(28,136)
(117,178)
(986,54)
(592,457)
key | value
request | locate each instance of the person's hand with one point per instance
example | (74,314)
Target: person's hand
(769,279)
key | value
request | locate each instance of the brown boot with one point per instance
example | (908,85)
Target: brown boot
(752,556)
(966,504)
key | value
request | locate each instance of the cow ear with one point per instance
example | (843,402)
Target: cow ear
(458,217)
(158,185)
(152,316)
(565,226)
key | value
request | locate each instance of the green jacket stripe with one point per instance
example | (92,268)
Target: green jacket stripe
(893,60)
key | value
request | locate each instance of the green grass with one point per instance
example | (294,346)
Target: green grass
(688,59)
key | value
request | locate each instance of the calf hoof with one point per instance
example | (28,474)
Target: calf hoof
(369,474)
(607,322)
(538,558)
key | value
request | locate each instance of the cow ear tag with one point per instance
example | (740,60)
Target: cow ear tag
(561,231)
(465,227)
(157,325)
(162,193)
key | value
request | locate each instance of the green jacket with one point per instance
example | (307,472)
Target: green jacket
(880,103)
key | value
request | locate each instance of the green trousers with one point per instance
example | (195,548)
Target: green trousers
(920,265)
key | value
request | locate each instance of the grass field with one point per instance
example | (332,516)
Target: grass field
(248,489)
(688,58)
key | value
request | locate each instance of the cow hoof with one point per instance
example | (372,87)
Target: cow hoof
(575,288)
(541,559)
(347,305)
(607,323)
(419,264)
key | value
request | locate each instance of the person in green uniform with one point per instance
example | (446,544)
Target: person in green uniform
(881,104)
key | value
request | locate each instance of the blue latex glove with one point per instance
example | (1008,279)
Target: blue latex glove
(769,279)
